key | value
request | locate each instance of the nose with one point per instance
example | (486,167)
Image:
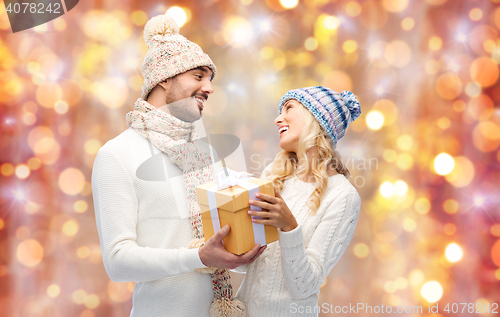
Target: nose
(278,120)
(207,87)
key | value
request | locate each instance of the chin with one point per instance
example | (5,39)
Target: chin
(286,147)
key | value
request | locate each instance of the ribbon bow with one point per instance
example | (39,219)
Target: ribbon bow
(228,178)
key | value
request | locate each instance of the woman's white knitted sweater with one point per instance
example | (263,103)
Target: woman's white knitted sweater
(285,279)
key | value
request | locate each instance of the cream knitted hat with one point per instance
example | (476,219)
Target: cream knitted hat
(169,53)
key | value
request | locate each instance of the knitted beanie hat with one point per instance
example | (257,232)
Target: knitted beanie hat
(333,111)
(169,53)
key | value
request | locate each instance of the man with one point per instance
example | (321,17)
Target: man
(146,215)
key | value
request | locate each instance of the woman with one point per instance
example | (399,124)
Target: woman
(315,208)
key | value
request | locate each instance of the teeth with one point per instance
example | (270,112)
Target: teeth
(200,100)
(283,129)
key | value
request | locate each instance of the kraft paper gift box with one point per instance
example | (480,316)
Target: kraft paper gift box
(231,207)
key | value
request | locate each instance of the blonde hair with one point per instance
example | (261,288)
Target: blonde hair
(286,164)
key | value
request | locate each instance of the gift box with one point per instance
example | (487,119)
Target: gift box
(230,206)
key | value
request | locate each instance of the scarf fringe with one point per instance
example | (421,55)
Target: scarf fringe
(223,307)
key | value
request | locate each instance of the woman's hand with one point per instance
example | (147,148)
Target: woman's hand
(277,214)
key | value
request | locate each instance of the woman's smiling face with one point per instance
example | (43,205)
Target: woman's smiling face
(290,125)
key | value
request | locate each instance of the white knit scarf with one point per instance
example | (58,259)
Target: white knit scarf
(179,140)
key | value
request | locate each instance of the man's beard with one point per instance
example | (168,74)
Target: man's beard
(185,109)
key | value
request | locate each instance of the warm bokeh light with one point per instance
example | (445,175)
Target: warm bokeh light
(390,155)
(361,250)
(31,207)
(119,292)
(400,188)
(416,277)
(23,233)
(398,53)
(331,22)
(350,46)
(449,86)
(395,5)
(29,253)
(53,290)
(7,169)
(405,142)
(34,163)
(444,164)
(495,253)
(311,44)
(444,123)
(80,206)
(484,71)
(463,173)
(475,14)
(139,17)
(289,4)
(180,16)
(449,229)
(450,206)
(409,224)
(407,23)
(386,189)
(22,171)
(70,228)
(71,181)
(237,31)
(352,9)
(79,296)
(432,291)
(422,205)
(453,252)
(495,230)
(92,146)
(375,120)
(435,43)
(92,301)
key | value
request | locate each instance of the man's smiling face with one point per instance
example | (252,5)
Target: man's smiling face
(187,92)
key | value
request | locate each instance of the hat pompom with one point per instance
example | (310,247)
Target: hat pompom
(160,25)
(352,104)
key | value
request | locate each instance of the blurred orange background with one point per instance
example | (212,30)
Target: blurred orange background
(424,155)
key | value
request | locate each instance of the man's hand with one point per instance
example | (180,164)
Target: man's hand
(213,252)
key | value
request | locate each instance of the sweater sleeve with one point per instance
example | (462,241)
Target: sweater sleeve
(116,212)
(305,270)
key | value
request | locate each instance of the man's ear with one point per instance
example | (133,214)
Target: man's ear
(165,84)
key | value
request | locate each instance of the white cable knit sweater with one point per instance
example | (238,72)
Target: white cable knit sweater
(286,278)
(144,230)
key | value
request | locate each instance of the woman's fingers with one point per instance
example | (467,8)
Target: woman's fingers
(269,198)
(262,221)
(261,204)
(262,214)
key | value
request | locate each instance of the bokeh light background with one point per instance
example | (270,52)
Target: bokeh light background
(424,155)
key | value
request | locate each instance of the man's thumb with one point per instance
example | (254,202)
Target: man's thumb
(224,231)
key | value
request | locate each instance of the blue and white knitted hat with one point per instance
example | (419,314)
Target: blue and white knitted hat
(333,111)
